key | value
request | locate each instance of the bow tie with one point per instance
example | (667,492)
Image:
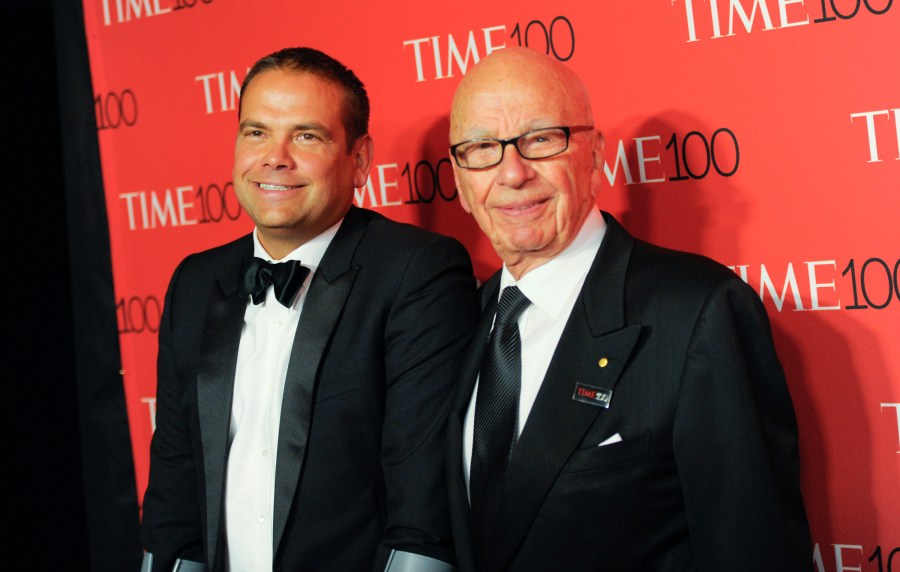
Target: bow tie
(285,277)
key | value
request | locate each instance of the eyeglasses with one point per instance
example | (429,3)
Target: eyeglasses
(537,144)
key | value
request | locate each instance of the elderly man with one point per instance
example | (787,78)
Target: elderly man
(300,420)
(622,406)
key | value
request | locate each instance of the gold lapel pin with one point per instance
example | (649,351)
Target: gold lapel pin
(603,362)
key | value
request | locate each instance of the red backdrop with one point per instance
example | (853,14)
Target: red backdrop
(762,133)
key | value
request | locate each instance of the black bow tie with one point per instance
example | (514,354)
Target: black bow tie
(285,277)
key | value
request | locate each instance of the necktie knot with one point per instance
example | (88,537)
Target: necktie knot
(285,277)
(511,305)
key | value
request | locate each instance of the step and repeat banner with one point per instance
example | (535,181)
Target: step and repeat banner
(762,133)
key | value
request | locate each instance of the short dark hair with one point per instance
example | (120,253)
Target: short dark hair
(309,60)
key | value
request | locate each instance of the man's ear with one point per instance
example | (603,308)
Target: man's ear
(462,197)
(363,153)
(598,151)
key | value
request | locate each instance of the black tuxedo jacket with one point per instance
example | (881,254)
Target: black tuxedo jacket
(706,474)
(360,466)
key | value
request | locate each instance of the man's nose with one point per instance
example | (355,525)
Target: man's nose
(278,156)
(514,170)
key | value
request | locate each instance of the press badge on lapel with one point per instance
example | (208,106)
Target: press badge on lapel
(594,395)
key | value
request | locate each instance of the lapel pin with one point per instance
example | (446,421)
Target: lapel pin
(603,362)
(598,396)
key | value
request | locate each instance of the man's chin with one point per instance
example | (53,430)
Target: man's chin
(526,253)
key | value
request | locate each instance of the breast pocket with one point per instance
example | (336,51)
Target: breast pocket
(600,457)
(596,495)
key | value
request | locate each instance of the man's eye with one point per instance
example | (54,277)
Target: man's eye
(253,133)
(478,147)
(308,138)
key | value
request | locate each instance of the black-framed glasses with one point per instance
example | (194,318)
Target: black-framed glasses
(537,144)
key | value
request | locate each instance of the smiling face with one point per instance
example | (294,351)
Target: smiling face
(530,209)
(292,172)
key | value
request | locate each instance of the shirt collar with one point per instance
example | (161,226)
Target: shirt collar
(309,253)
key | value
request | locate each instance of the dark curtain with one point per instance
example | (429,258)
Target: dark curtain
(73,502)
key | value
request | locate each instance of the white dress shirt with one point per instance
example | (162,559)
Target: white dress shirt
(265,349)
(553,289)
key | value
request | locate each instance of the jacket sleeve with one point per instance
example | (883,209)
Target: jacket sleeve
(427,330)
(171,526)
(735,440)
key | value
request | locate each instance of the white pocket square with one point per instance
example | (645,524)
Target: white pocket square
(614,439)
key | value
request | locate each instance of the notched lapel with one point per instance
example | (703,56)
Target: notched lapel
(603,361)
(215,388)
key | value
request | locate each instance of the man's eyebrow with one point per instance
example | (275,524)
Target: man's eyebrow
(475,135)
(250,123)
(479,133)
(312,126)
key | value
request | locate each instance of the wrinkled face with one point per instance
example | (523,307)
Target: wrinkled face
(292,172)
(529,209)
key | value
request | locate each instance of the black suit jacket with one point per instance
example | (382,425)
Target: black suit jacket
(360,449)
(706,476)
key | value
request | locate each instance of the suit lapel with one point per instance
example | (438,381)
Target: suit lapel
(459,498)
(215,388)
(557,423)
(469,369)
(324,303)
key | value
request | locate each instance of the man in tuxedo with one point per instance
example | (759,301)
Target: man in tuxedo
(621,406)
(301,405)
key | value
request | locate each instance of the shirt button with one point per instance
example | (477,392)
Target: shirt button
(265,453)
(277,323)
(260,518)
